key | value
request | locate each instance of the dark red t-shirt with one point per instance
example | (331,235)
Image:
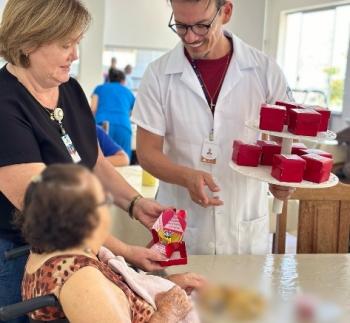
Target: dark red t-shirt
(212,73)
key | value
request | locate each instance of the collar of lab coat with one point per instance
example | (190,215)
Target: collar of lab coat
(242,55)
(242,59)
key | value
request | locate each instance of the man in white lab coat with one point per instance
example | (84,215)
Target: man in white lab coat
(192,103)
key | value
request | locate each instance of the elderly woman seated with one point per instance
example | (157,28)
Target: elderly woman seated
(66,220)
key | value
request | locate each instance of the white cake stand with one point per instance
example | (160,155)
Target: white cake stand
(263,173)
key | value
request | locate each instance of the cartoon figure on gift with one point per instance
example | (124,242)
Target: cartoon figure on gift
(209,153)
(166,236)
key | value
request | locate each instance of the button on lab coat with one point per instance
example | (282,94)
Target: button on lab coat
(171,103)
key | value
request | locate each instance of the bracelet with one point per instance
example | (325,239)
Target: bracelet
(132,204)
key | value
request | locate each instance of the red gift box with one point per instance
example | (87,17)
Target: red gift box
(288,168)
(269,149)
(325,116)
(167,234)
(304,122)
(246,154)
(272,117)
(297,148)
(317,152)
(288,106)
(318,168)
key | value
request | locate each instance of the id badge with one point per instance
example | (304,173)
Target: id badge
(209,152)
(71,149)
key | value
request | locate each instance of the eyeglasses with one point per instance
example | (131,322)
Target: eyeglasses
(198,29)
(108,201)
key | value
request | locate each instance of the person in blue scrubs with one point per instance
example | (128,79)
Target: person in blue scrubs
(112,102)
(111,150)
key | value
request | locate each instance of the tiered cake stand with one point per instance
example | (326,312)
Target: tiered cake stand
(263,173)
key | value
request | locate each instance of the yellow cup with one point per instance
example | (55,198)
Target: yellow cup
(148,179)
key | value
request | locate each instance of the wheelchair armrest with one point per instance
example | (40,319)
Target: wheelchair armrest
(17,252)
(15,310)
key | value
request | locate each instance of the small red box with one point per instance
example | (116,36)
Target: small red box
(269,149)
(304,122)
(288,168)
(272,117)
(318,168)
(317,152)
(246,154)
(325,116)
(288,106)
(297,148)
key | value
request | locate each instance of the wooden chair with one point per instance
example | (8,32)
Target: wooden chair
(324,221)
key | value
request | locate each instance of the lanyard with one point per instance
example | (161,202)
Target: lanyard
(210,100)
(204,88)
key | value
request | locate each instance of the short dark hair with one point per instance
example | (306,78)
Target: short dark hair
(115,75)
(59,211)
(219,3)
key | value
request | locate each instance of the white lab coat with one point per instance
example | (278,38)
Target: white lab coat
(171,103)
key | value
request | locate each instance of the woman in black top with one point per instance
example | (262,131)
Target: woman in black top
(45,119)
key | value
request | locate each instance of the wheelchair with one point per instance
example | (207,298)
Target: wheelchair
(13,311)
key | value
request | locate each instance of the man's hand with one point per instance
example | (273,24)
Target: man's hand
(146,259)
(196,181)
(281,192)
(147,211)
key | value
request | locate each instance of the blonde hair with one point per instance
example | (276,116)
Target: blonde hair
(28,24)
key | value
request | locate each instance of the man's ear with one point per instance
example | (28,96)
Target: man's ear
(226,12)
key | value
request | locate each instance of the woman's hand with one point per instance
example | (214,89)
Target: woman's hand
(147,211)
(188,281)
(173,305)
(146,259)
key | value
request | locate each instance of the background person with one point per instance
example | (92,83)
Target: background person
(129,83)
(113,66)
(113,102)
(110,149)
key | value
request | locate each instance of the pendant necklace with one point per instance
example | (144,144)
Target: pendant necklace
(57,115)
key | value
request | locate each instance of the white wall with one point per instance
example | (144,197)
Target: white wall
(138,23)
(248,21)
(91,49)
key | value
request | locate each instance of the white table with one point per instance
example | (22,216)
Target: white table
(126,229)
(281,277)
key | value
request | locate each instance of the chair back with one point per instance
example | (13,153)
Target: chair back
(13,311)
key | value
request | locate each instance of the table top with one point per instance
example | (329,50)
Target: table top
(282,277)
(133,175)
(124,228)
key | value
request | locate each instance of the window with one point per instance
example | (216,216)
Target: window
(137,58)
(315,55)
